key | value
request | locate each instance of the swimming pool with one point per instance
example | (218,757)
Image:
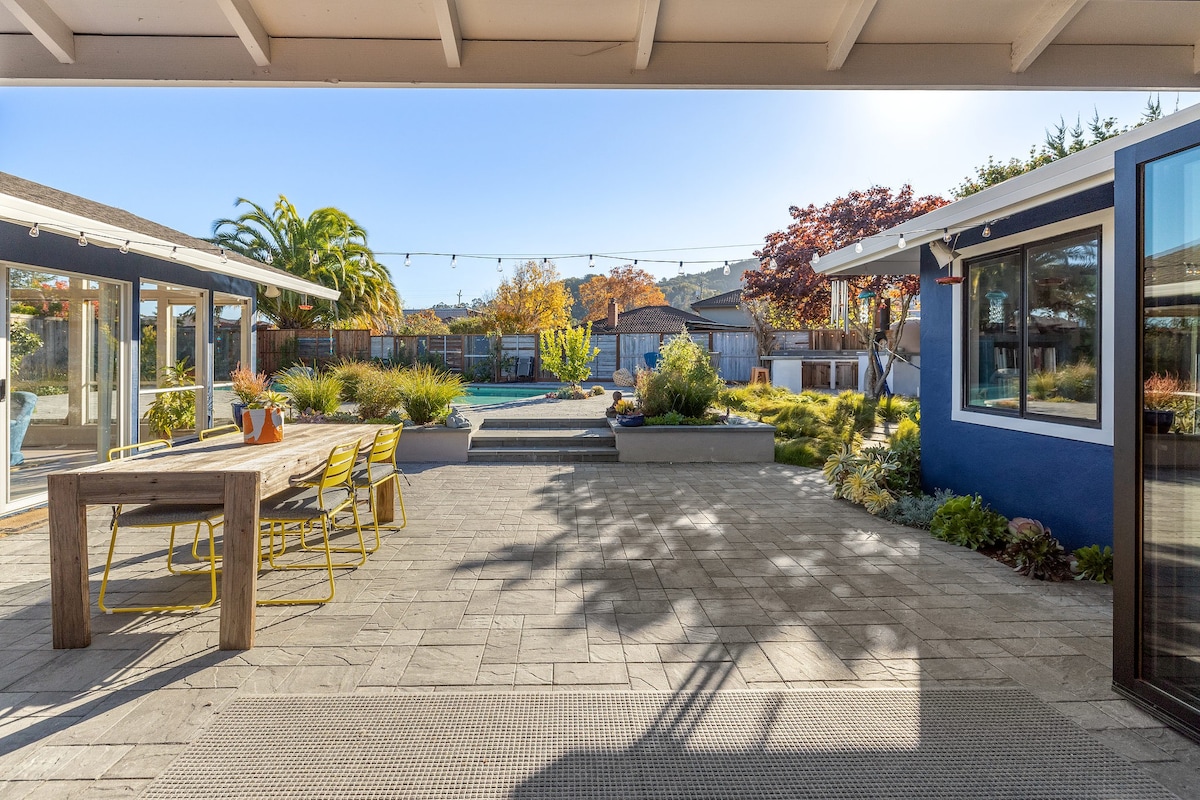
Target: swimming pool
(488,394)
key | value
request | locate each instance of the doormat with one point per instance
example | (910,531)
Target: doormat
(942,743)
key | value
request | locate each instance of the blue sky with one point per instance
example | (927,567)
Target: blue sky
(520,172)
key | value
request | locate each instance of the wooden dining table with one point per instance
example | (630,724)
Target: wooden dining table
(221,470)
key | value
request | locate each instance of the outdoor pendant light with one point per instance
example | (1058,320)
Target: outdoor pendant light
(272,292)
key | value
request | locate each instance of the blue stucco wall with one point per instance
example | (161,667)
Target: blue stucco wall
(1068,485)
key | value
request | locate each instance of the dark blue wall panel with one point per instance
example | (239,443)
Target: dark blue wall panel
(1065,484)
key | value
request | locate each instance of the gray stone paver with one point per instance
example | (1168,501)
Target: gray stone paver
(564,577)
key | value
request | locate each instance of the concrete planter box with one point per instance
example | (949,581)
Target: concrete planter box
(738,441)
(438,443)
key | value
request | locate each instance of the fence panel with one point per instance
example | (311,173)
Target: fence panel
(605,363)
(739,352)
(634,347)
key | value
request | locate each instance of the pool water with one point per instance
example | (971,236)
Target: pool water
(487,394)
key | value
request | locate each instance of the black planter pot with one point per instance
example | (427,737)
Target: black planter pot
(1157,421)
(631,420)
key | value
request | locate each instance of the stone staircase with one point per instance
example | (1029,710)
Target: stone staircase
(545,440)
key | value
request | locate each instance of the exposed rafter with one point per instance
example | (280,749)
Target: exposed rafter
(46,27)
(249,29)
(1041,31)
(647,23)
(447,20)
(845,33)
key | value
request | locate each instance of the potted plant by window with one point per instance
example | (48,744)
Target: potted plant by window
(262,422)
(1160,393)
(247,386)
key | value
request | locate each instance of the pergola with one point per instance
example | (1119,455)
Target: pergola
(961,44)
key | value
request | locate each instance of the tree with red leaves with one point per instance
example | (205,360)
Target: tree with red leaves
(798,293)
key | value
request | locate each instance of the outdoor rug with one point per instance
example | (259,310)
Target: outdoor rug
(942,743)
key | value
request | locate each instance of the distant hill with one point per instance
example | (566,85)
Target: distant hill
(682,291)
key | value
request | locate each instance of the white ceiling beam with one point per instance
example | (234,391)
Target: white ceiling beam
(446,12)
(1041,31)
(249,29)
(845,33)
(46,27)
(647,23)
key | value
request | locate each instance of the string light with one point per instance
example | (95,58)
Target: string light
(82,239)
(816,258)
(315,258)
(34,231)
(453,261)
(946,235)
(125,247)
(362,259)
(726,270)
(407,260)
(987,230)
(270,259)
(175,252)
(499,266)
(591,261)
(858,248)
(902,243)
(681,269)
(224,258)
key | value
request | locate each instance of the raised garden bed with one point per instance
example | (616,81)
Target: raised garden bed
(434,443)
(738,441)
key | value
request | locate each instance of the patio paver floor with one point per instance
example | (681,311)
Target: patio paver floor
(533,578)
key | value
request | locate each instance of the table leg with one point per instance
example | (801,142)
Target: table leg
(239,563)
(385,502)
(70,601)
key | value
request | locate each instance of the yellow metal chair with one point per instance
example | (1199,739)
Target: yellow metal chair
(378,469)
(303,506)
(220,430)
(162,515)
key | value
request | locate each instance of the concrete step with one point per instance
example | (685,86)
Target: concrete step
(545,423)
(543,438)
(542,455)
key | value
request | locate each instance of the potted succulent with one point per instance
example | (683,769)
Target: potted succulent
(628,414)
(262,421)
(247,386)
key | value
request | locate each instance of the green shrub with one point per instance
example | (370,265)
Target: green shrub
(683,381)
(669,418)
(917,510)
(426,393)
(862,477)
(968,522)
(1041,385)
(906,450)
(378,393)
(171,411)
(349,373)
(597,391)
(566,353)
(802,452)
(318,392)
(745,398)
(1094,564)
(1034,551)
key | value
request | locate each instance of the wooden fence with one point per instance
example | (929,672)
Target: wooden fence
(515,357)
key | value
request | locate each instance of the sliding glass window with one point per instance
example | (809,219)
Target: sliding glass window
(1032,330)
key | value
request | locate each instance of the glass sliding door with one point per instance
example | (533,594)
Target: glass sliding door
(171,388)
(65,403)
(1169,602)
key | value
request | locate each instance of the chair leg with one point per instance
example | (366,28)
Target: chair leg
(327,566)
(212,557)
(112,546)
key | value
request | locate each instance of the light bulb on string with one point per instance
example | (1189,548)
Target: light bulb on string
(726,270)
(362,259)
(987,229)
(946,235)
(816,258)
(858,248)
(175,253)
(635,262)
(125,247)
(407,260)
(35,231)
(315,258)
(499,266)
(681,269)
(270,259)
(591,262)
(224,258)
(545,261)
(902,243)
(453,261)
(82,239)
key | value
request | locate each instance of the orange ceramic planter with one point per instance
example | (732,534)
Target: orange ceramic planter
(262,425)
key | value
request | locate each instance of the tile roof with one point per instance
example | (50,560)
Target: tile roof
(660,319)
(730,299)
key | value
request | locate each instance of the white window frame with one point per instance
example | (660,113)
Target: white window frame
(959,413)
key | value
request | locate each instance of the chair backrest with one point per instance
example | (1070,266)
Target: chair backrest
(125,451)
(338,469)
(383,450)
(220,430)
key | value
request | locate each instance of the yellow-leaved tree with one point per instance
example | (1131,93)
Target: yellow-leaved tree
(629,286)
(534,299)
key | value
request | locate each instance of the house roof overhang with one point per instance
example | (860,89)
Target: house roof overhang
(110,227)
(849,44)
(1088,168)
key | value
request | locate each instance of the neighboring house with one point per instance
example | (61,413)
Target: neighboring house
(98,302)
(725,308)
(445,313)
(659,319)
(1080,282)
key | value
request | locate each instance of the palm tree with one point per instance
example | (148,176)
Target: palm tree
(328,248)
